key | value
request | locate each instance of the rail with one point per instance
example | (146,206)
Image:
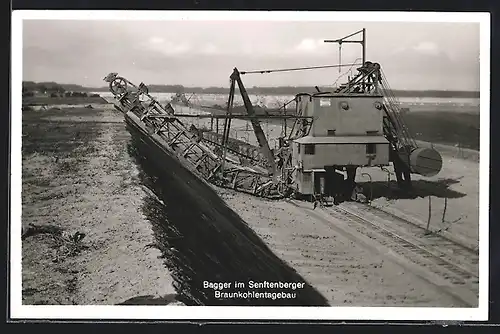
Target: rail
(449,256)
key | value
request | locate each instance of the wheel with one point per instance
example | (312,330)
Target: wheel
(118,86)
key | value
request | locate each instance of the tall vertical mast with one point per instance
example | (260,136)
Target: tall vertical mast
(342,40)
(363,45)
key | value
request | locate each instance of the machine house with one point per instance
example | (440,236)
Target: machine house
(346,132)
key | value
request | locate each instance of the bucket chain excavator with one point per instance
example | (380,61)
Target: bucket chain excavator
(257,169)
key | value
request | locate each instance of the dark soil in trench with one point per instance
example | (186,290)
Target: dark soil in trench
(202,239)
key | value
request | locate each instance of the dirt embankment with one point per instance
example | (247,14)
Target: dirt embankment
(78,180)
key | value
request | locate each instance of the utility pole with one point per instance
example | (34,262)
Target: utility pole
(342,40)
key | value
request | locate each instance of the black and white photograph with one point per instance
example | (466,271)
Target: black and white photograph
(167,162)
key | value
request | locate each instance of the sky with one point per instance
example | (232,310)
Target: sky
(442,56)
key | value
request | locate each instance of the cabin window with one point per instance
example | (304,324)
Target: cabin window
(331,132)
(324,103)
(309,149)
(298,148)
(306,177)
(371,148)
(371,133)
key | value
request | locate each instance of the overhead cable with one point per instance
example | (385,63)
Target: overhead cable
(298,68)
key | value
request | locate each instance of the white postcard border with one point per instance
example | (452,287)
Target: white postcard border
(20,311)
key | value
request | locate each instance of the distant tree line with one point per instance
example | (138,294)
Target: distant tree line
(42,87)
(54,89)
(50,87)
(292,90)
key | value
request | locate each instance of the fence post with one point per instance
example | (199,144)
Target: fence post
(429,217)
(444,210)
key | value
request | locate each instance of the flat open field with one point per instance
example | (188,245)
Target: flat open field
(78,177)
(72,100)
(445,127)
(154,234)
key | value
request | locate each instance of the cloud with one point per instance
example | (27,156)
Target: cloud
(316,51)
(210,49)
(167,47)
(309,45)
(246,47)
(428,48)
(175,48)
(429,54)
(156,40)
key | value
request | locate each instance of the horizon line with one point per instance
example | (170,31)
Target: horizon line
(251,87)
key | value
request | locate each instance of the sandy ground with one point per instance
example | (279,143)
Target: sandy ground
(457,184)
(78,176)
(344,269)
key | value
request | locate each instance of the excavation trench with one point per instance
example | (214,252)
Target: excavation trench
(203,240)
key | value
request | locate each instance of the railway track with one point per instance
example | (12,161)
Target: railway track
(462,255)
(416,227)
(451,261)
(426,259)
